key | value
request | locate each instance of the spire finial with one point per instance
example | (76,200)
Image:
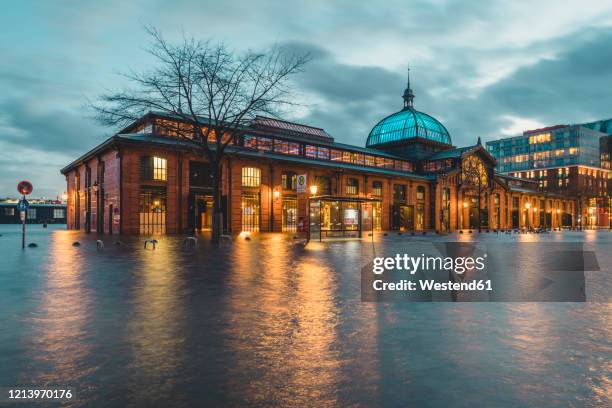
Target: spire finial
(408,95)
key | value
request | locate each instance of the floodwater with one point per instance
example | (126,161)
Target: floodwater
(270,322)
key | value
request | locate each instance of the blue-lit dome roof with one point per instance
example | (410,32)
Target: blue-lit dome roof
(408,124)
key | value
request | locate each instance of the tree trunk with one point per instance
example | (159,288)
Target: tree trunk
(217,218)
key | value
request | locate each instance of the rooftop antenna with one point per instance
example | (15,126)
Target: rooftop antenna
(408,94)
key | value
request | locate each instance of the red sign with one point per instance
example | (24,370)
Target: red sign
(24,187)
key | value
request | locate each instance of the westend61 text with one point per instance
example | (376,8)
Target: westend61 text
(429,285)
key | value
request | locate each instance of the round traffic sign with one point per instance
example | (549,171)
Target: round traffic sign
(24,187)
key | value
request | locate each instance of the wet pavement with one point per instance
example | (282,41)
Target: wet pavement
(271,322)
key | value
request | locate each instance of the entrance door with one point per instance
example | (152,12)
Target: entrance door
(515,219)
(406,217)
(203,207)
(289,215)
(314,223)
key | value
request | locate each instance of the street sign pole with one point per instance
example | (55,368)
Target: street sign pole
(23,222)
(24,187)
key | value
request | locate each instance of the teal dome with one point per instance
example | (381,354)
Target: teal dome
(408,124)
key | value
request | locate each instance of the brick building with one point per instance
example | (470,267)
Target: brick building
(283,176)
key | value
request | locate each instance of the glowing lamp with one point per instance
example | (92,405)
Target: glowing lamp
(276,194)
(465,204)
(313,189)
(558,211)
(527,205)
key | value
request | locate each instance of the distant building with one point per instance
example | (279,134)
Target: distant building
(39,212)
(571,160)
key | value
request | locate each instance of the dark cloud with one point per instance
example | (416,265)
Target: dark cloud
(473,65)
(48,128)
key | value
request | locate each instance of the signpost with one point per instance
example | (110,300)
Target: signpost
(301,183)
(24,188)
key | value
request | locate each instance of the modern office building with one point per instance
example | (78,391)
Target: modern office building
(570,160)
(283,176)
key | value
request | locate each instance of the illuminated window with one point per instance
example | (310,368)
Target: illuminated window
(58,213)
(152,210)
(31,213)
(251,177)
(352,186)
(289,180)
(250,212)
(377,188)
(154,168)
(160,171)
(9,211)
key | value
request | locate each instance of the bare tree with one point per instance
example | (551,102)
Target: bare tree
(213,91)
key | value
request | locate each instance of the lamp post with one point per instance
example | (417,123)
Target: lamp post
(527,207)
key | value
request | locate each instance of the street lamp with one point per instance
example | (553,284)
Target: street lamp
(313,189)
(276,194)
(527,207)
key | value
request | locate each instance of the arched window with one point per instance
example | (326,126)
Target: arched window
(251,177)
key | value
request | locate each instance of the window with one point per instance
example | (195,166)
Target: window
(31,214)
(58,213)
(9,211)
(420,193)
(281,146)
(250,212)
(159,169)
(352,186)
(336,155)
(323,153)
(369,161)
(265,144)
(152,210)
(311,151)
(399,193)
(377,188)
(288,180)
(294,149)
(154,168)
(251,177)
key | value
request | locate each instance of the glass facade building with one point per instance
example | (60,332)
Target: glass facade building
(557,146)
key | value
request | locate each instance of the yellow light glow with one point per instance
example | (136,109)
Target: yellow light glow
(244,234)
(465,204)
(276,194)
(527,205)
(313,189)
(64,197)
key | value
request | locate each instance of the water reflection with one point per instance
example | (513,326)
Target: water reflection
(156,329)
(60,326)
(284,319)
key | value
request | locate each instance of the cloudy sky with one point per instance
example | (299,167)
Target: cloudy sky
(488,68)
